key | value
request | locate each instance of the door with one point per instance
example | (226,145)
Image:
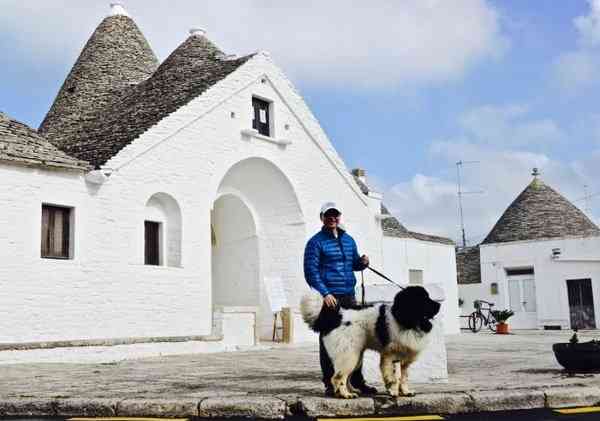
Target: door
(521,298)
(581,304)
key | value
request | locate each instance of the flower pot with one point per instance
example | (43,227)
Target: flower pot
(583,356)
(502,328)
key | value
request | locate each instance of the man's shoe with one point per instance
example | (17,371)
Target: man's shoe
(365,389)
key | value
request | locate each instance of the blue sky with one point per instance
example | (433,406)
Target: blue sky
(404,89)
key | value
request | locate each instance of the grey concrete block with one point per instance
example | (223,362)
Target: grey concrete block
(243,406)
(27,407)
(561,397)
(169,408)
(444,403)
(505,400)
(76,407)
(329,407)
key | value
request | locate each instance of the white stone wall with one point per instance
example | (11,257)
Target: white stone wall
(580,258)
(438,263)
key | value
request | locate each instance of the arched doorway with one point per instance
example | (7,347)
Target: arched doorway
(258,232)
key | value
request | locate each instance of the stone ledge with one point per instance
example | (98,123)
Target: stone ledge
(269,407)
(330,407)
(168,408)
(265,407)
(561,397)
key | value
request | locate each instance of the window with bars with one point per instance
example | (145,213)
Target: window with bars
(261,120)
(56,232)
(152,243)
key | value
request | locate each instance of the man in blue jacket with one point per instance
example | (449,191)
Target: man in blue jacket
(330,259)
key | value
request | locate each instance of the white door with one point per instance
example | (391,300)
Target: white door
(521,299)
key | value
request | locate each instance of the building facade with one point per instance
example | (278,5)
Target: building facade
(184,198)
(541,260)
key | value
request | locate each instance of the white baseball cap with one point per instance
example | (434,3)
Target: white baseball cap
(329,205)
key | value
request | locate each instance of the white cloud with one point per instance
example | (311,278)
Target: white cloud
(577,70)
(589,26)
(429,203)
(508,125)
(367,44)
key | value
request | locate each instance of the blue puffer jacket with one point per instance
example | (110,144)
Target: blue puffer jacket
(329,263)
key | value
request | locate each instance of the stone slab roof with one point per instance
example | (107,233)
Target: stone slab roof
(190,70)
(468,265)
(22,145)
(116,57)
(540,212)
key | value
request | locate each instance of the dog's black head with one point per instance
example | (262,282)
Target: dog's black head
(413,308)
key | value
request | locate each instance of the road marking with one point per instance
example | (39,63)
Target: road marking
(125,419)
(581,410)
(407,418)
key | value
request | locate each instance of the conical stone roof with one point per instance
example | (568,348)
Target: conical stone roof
(116,57)
(191,69)
(539,212)
(21,145)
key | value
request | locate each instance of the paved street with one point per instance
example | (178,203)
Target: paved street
(499,365)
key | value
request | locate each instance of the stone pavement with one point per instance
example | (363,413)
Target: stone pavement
(486,372)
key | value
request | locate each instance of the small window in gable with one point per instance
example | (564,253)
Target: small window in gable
(56,232)
(261,120)
(152,243)
(415,277)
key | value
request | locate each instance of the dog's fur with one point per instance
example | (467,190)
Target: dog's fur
(398,332)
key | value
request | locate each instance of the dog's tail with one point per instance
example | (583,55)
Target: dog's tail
(310,307)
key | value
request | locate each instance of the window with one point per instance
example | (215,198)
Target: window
(152,243)
(519,271)
(415,277)
(56,232)
(261,121)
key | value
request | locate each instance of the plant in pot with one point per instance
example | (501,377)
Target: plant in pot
(501,317)
(578,356)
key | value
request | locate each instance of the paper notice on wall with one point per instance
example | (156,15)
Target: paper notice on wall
(275,293)
(263,115)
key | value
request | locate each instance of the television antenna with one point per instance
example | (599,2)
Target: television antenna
(459,165)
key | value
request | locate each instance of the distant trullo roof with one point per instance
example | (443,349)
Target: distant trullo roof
(116,57)
(22,145)
(134,95)
(540,212)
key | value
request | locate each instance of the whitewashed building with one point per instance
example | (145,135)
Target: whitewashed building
(541,260)
(170,203)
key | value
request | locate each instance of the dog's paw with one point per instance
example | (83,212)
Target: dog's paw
(347,395)
(407,393)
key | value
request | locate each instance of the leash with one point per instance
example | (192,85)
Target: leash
(383,276)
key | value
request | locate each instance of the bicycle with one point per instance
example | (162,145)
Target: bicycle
(482,315)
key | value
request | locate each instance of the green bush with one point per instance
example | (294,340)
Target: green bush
(502,316)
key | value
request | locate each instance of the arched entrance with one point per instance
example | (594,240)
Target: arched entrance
(257,232)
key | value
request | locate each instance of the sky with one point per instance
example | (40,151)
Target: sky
(404,89)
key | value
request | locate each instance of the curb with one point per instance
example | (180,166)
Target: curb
(269,407)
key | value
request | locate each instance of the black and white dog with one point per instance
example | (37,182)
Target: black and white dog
(398,332)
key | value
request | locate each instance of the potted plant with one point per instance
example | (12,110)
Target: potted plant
(501,317)
(576,356)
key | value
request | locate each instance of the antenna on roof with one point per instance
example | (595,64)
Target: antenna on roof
(459,164)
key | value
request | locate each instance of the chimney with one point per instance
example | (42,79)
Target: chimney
(361,174)
(117,9)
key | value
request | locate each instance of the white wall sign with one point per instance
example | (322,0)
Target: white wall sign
(275,293)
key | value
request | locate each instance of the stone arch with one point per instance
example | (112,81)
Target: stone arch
(256,198)
(164,209)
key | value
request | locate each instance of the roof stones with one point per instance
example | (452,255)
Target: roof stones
(116,57)
(539,212)
(22,145)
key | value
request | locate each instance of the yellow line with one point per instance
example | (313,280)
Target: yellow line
(407,418)
(125,419)
(582,410)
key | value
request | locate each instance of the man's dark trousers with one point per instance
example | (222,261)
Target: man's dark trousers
(356,379)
